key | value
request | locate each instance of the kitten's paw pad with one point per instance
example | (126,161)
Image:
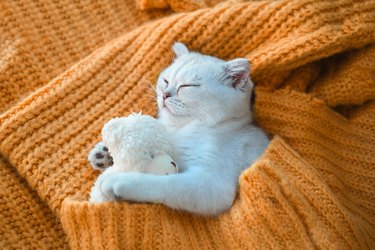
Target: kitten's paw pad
(99,157)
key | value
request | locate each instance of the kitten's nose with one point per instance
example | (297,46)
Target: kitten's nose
(166,95)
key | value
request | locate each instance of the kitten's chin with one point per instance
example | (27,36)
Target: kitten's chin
(165,112)
(169,111)
(169,115)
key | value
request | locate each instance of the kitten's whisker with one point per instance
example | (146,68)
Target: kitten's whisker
(151,90)
(150,84)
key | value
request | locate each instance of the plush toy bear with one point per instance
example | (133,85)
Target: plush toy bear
(137,143)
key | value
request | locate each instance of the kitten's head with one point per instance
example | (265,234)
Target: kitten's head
(201,87)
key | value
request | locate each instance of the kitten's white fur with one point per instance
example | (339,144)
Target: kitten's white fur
(208,118)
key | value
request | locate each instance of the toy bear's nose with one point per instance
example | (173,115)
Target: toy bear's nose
(166,95)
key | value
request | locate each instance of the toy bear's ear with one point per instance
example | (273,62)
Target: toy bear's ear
(112,132)
(179,49)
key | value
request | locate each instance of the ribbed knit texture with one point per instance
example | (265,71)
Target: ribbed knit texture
(66,67)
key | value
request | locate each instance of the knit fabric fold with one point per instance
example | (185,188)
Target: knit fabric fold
(282,203)
(66,68)
(175,5)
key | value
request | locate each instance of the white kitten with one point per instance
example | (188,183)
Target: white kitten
(204,103)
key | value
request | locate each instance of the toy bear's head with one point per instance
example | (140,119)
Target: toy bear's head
(137,143)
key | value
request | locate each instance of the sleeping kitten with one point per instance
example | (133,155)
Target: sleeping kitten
(204,103)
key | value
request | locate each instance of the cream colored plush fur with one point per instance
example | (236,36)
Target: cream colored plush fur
(137,143)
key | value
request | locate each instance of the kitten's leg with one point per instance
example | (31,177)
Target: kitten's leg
(99,157)
(194,191)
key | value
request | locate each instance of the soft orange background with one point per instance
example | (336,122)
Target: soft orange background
(66,67)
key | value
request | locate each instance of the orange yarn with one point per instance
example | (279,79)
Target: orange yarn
(175,5)
(67,67)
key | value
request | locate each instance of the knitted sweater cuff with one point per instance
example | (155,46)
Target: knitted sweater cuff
(279,204)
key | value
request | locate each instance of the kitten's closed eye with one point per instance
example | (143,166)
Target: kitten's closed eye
(166,82)
(187,85)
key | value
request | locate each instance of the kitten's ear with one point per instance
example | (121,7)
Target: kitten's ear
(179,49)
(238,71)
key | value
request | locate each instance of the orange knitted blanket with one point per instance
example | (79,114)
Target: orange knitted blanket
(66,67)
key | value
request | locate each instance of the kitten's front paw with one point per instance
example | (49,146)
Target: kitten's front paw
(119,186)
(109,186)
(99,157)
(96,193)
(132,187)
